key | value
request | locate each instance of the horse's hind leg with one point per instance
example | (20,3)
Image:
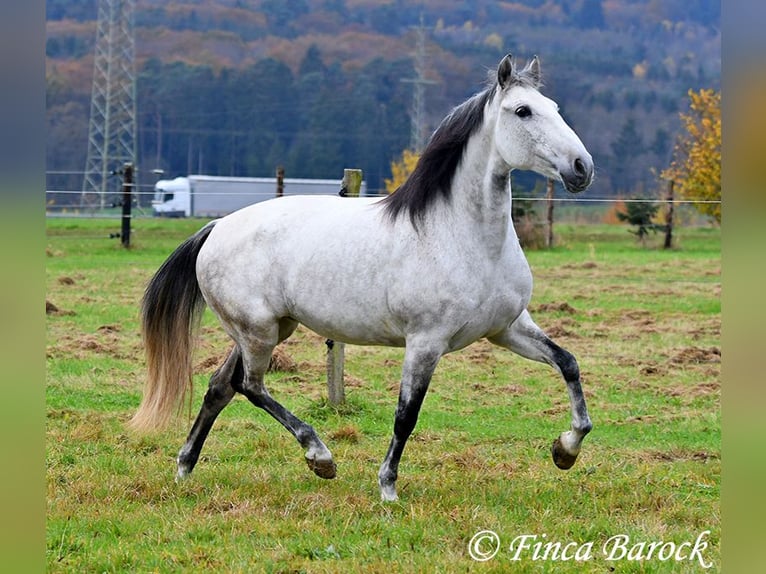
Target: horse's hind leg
(528,340)
(219,394)
(256,360)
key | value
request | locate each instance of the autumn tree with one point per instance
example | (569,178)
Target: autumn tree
(696,164)
(401,170)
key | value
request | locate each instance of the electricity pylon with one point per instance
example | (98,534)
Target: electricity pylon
(419,82)
(112,128)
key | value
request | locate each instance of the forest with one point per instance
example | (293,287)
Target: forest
(238,87)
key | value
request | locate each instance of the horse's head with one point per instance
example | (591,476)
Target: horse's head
(530,134)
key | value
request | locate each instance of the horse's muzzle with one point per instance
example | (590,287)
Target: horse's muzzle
(579,176)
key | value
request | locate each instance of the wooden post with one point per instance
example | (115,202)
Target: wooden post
(280,181)
(336,357)
(549,214)
(127,200)
(669,217)
(352,183)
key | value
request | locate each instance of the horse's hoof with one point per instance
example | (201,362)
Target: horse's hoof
(322,468)
(561,458)
(388,492)
(183,469)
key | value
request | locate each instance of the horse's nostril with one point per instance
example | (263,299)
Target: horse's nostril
(579,167)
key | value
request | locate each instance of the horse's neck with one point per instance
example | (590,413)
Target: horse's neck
(481,192)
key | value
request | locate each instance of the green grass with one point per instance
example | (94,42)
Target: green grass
(643,323)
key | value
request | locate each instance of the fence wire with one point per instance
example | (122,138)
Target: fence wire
(147,190)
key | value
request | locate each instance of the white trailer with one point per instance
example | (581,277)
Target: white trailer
(215,196)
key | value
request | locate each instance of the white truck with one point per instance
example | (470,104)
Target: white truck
(215,196)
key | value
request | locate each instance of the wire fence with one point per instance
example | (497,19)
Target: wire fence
(64,202)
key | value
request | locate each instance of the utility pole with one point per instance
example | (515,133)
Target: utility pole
(419,82)
(112,127)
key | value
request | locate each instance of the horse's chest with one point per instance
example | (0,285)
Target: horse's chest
(482,299)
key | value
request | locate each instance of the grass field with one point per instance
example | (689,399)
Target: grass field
(643,323)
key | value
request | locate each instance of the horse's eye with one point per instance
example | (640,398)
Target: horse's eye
(523,111)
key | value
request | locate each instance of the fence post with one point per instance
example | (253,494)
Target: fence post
(127,200)
(280,181)
(336,358)
(336,392)
(669,217)
(549,214)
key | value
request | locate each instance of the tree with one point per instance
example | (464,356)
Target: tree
(401,170)
(696,164)
(640,214)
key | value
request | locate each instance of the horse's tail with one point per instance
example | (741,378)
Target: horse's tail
(170,314)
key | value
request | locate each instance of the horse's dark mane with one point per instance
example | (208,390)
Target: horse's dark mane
(431,179)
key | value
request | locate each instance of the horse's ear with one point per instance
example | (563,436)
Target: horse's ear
(505,71)
(533,70)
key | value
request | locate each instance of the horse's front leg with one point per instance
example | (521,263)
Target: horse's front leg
(528,340)
(420,361)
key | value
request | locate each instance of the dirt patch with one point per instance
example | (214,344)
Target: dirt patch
(502,390)
(209,364)
(696,356)
(653,369)
(51,309)
(426,436)
(89,343)
(466,460)
(586,265)
(347,434)
(558,331)
(512,390)
(479,354)
(555,410)
(642,419)
(281,362)
(693,391)
(65,280)
(637,314)
(352,382)
(107,340)
(562,307)
(679,455)
(711,329)
(109,328)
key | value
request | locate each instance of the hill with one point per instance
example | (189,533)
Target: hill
(235,87)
